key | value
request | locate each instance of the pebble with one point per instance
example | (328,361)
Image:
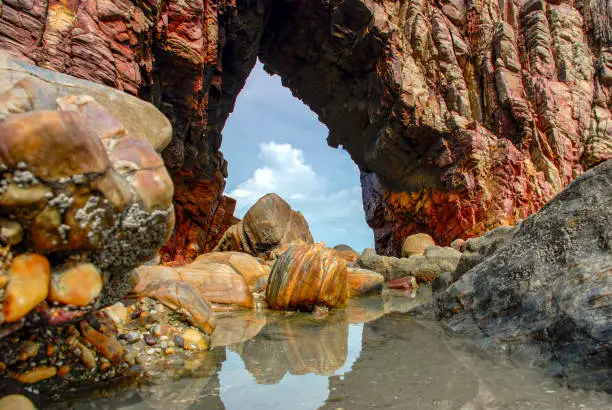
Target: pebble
(163,344)
(27,349)
(150,339)
(193,340)
(131,337)
(28,285)
(37,374)
(76,285)
(118,313)
(150,351)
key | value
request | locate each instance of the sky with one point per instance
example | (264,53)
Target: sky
(275,143)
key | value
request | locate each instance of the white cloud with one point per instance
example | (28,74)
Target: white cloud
(331,216)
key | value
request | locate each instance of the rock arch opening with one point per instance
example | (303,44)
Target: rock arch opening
(274,143)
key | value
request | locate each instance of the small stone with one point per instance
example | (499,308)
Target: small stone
(76,284)
(16,402)
(163,345)
(132,337)
(28,285)
(118,313)
(150,339)
(88,358)
(37,374)
(150,351)
(63,371)
(11,232)
(157,330)
(193,340)
(27,349)
(170,351)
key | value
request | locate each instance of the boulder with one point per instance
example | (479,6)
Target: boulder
(269,224)
(251,269)
(347,253)
(547,294)
(425,268)
(416,244)
(306,276)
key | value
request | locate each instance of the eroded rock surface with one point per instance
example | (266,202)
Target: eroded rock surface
(461,117)
(548,293)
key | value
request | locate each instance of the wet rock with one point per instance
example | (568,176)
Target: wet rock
(406,283)
(117,312)
(28,285)
(416,244)
(107,346)
(563,251)
(305,276)
(363,282)
(193,340)
(16,402)
(75,284)
(270,223)
(11,232)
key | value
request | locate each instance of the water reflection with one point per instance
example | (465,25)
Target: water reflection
(366,356)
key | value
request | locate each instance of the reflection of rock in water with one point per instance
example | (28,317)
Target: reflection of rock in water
(298,344)
(237,327)
(195,385)
(405,364)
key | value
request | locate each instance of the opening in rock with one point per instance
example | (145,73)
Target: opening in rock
(274,143)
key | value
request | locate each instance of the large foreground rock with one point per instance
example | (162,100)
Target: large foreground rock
(548,292)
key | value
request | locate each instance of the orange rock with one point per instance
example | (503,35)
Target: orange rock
(305,276)
(28,285)
(416,244)
(75,284)
(348,254)
(363,281)
(37,374)
(107,346)
(193,340)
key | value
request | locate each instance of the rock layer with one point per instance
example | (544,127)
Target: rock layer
(461,117)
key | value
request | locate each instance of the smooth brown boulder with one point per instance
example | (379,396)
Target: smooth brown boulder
(347,253)
(269,224)
(306,276)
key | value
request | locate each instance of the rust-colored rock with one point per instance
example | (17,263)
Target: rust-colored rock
(363,282)
(28,285)
(416,244)
(347,253)
(37,374)
(268,225)
(306,276)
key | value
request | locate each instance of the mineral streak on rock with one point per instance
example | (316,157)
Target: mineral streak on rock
(461,117)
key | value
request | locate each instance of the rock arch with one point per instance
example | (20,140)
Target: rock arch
(461,116)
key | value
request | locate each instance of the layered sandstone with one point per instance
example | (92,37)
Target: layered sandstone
(461,116)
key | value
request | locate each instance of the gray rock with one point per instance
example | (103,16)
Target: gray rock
(547,294)
(435,261)
(478,249)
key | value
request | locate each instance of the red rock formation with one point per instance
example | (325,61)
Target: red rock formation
(461,117)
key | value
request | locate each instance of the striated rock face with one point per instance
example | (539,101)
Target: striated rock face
(461,117)
(552,302)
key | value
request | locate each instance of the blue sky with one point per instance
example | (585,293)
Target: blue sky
(274,143)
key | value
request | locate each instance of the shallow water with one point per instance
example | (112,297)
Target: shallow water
(369,356)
